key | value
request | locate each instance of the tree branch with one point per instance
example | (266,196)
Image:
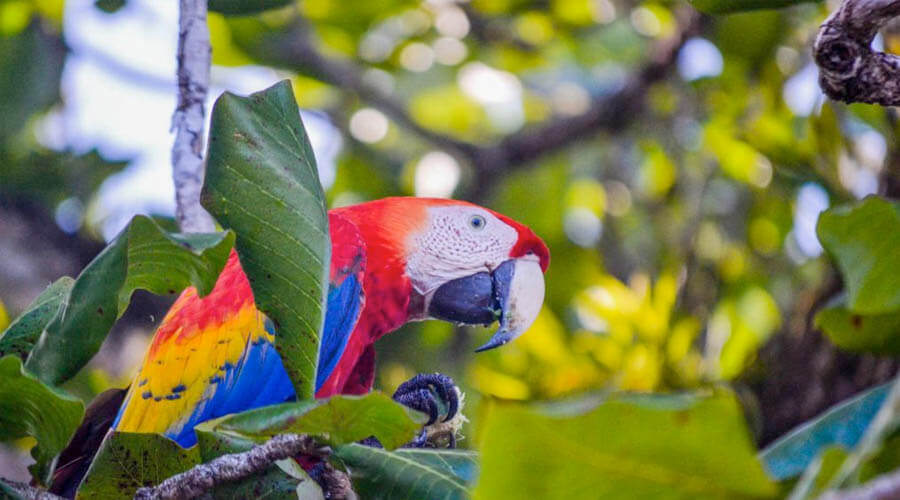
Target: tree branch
(610,113)
(849,70)
(235,466)
(884,487)
(188,120)
(297,50)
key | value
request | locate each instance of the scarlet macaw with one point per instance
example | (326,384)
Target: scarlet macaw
(393,261)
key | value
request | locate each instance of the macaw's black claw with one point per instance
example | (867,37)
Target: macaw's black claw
(371,442)
(420,441)
(428,393)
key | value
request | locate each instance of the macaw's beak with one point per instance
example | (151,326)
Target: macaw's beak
(513,294)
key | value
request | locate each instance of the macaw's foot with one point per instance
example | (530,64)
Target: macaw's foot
(437,396)
(334,484)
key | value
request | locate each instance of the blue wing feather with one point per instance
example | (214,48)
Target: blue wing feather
(257,379)
(344,304)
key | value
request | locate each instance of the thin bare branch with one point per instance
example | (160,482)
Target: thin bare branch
(194,59)
(885,487)
(849,70)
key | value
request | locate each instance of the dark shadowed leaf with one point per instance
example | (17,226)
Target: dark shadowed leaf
(663,447)
(53,176)
(20,336)
(863,239)
(842,425)
(726,6)
(261,181)
(410,474)
(337,420)
(142,256)
(245,7)
(31,65)
(30,408)
(127,461)
(876,333)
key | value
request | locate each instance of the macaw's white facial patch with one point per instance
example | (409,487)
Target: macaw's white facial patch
(459,240)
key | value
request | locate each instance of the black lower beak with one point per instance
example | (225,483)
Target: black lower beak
(478,299)
(468,300)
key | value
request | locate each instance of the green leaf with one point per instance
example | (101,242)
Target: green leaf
(726,6)
(410,473)
(142,256)
(127,461)
(671,447)
(21,335)
(30,408)
(245,7)
(863,238)
(842,425)
(337,420)
(877,333)
(261,181)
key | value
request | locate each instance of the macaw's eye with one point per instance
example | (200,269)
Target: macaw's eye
(477,222)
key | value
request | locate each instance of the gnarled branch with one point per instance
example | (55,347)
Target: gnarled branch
(235,466)
(849,70)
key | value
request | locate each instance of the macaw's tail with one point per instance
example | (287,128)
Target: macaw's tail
(75,459)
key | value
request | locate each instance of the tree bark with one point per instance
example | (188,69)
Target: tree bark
(849,70)
(194,59)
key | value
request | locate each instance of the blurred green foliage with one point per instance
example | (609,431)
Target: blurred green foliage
(682,239)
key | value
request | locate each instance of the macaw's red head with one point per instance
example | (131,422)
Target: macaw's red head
(465,263)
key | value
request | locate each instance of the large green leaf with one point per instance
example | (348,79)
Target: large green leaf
(127,461)
(661,447)
(21,335)
(141,256)
(337,420)
(863,239)
(726,6)
(410,474)
(261,181)
(30,408)
(842,425)
(876,333)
